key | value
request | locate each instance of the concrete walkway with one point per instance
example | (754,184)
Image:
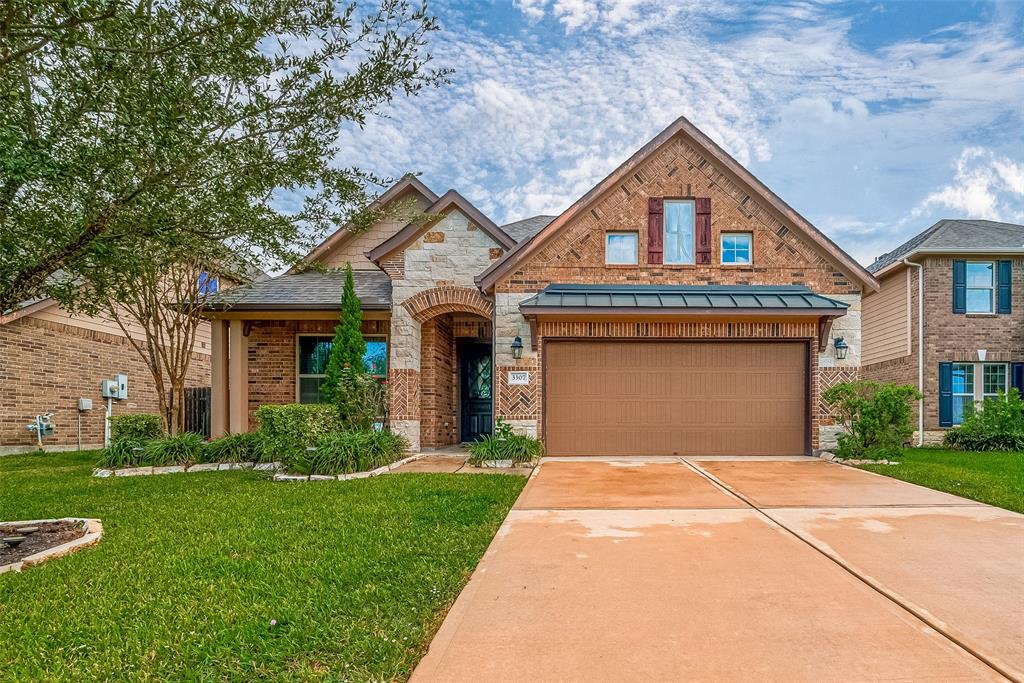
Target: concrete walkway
(738,570)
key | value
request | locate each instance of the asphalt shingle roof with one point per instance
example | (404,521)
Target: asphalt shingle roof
(307,291)
(523,230)
(793,298)
(957,235)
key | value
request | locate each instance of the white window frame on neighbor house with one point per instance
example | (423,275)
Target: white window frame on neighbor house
(978,392)
(748,237)
(673,227)
(298,358)
(634,259)
(990,288)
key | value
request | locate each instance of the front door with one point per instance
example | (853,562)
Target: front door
(476,375)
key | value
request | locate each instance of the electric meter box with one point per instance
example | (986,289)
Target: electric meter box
(108,388)
(122,386)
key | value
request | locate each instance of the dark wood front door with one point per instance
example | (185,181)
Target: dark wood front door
(476,388)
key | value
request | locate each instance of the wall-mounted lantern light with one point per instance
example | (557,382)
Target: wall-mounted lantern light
(517,348)
(841,348)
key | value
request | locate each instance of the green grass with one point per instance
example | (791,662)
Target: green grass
(993,478)
(192,568)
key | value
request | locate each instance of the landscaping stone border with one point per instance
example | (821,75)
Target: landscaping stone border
(179,469)
(384,469)
(93,532)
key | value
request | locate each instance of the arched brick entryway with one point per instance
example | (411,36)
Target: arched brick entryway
(440,300)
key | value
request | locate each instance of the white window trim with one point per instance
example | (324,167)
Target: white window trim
(974,388)
(664,232)
(636,247)
(978,394)
(992,288)
(721,248)
(298,357)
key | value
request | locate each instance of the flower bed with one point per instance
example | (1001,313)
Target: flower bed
(383,469)
(50,538)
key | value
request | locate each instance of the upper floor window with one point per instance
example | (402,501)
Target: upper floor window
(620,248)
(980,286)
(736,248)
(680,217)
(208,284)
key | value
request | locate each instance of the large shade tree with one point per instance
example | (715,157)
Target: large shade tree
(200,128)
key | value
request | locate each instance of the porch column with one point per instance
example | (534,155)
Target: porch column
(238,379)
(218,378)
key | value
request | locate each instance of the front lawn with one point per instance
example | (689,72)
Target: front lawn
(993,478)
(193,569)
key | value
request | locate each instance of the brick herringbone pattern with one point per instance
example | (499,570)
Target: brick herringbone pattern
(518,402)
(404,392)
(828,378)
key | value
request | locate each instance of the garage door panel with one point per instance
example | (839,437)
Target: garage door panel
(675,398)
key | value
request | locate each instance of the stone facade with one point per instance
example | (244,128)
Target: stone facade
(781,256)
(47,367)
(952,337)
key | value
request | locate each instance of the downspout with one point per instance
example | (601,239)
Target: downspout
(920,347)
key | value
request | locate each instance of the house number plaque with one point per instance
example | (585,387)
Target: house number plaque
(518,377)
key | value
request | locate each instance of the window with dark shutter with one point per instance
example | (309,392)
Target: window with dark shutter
(945,394)
(959,286)
(1017,377)
(1005,283)
(655,224)
(703,223)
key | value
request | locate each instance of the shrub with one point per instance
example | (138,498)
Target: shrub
(121,454)
(504,444)
(345,364)
(998,426)
(181,449)
(351,451)
(136,427)
(245,447)
(876,417)
(287,430)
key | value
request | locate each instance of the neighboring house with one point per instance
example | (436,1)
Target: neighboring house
(973,327)
(50,358)
(678,307)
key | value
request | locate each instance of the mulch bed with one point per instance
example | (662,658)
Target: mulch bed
(50,534)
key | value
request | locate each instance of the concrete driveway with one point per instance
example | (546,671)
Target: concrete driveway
(738,569)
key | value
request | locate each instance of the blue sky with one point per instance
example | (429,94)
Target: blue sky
(872,119)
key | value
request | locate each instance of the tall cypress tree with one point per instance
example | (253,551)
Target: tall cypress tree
(348,347)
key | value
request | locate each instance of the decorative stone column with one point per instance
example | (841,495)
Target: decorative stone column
(404,376)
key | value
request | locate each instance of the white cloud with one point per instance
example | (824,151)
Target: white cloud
(984,186)
(533,9)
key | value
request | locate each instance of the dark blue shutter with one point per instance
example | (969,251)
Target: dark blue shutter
(1005,270)
(959,286)
(945,394)
(1017,377)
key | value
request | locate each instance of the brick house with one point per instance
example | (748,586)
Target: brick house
(679,306)
(967,279)
(50,358)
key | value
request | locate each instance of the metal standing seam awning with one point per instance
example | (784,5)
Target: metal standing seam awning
(566,299)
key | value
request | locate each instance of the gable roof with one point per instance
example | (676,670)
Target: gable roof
(955,235)
(503,266)
(406,184)
(527,228)
(313,291)
(451,198)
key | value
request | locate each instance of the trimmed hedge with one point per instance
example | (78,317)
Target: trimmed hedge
(347,452)
(136,427)
(288,430)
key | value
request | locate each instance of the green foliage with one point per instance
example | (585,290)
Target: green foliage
(194,567)
(136,427)
(121,453)
(998,426)
(351,451)
(179,123)
(876,417)
(345,364)
(287,430)
(181,449)
(505,444)
(245,447)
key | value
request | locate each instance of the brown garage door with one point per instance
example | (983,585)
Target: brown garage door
(675,398)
